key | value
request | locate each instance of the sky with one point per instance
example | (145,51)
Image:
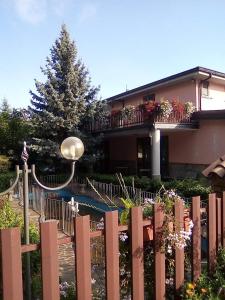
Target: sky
(123,43)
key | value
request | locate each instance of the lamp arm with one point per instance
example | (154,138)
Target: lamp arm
(53,188)
(14,184)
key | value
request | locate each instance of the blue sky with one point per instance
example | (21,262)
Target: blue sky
(124,43)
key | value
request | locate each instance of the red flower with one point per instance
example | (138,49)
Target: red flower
(178,106)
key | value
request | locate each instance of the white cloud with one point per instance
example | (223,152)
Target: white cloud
(35,11)
(59,6)
(88,11)
(31,11)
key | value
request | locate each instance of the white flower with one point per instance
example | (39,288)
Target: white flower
(93,280)
(149,201)
(169,281)
(169,249)
(123,236)
(191,224)
(63,293)
(65,284)
(100,225)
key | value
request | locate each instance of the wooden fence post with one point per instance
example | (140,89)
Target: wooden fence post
(83,257)
(11,264)
(179,253)
(223,220)
(196,238)
(112,255)
(219,223)
(137,250)
(49,258)
(159,253)
(212,232)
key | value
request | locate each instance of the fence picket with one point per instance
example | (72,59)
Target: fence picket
(137,249)
(179,253)
(223,220)
(11,248)
(219,223)
(112,255)
(196,238)
(11,264)
(212,232)
(159,254)
(82,257)
(49,258)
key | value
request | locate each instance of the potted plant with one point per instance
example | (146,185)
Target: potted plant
(189,108)
(127,112)
(165,108)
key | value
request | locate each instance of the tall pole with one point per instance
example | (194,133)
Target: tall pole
(26,203)
(24,157)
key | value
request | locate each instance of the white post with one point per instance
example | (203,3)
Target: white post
(155,143)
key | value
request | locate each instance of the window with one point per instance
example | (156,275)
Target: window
(150,97)
(205,88)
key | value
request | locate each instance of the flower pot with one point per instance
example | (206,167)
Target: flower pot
(148,233)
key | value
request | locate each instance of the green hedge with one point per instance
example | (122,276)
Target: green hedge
(5,180)
(190,187)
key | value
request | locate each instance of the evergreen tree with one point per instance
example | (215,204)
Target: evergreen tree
(65,100)
(14,129)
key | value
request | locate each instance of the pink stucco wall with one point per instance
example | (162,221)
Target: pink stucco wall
(182,92)
(202,146)
(185,91)
(133,100)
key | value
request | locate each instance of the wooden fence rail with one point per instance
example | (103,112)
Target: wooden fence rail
(11,251)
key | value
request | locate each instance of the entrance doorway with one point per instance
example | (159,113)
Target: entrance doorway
(144,156)
(164,156)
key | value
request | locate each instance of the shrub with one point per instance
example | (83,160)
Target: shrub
(9,218)
(189,187)
(5,180)
(5,164)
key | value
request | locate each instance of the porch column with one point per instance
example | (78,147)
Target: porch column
(155,157)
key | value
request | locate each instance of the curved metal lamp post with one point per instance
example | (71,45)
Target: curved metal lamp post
(72,149)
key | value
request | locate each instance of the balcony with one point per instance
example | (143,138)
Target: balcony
(139,117)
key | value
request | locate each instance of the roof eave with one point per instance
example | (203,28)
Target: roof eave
(197,71)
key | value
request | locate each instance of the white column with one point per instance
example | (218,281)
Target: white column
(155,149)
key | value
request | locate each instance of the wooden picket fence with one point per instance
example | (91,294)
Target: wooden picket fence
(12,250)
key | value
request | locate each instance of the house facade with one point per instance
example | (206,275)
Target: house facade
(173,127)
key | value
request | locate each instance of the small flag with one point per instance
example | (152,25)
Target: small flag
(24,154)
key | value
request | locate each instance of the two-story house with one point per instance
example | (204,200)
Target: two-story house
(153,131)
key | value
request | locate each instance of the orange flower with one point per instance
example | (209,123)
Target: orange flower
(189,292)
(203,291)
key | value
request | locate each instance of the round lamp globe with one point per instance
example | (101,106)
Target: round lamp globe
(72,148)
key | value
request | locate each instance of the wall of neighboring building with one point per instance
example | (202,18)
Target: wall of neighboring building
(215,98)
(197,149)
(123,153)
